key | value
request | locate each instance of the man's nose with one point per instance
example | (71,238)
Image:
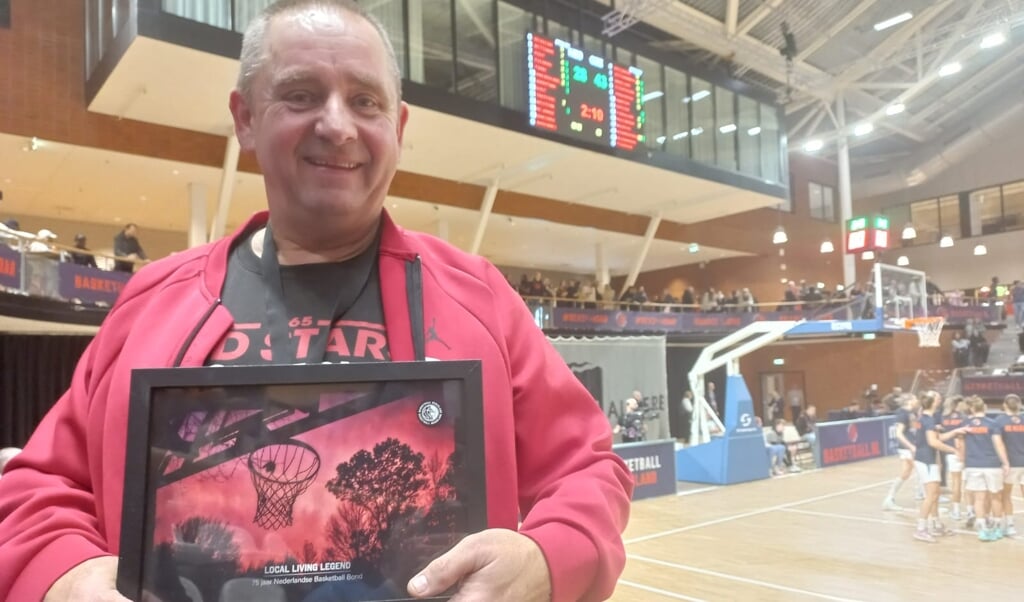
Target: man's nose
(337,121)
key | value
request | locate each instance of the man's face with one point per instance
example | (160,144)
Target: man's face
(131,231)
(324,118)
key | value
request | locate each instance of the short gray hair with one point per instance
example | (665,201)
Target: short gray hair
(254,45)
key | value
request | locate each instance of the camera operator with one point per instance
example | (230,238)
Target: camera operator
(631,423)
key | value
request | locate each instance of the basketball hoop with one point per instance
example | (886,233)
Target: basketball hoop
(928,330)
(280,472)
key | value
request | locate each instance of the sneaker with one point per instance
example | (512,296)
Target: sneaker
(940,530)
(923,536)
(943,499)
(794,468)
(890,504)
(1011,531)
(996,533)
(988,535)
(970,521)
(955,515)
(919,497)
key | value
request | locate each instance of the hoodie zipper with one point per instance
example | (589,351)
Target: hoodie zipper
(195,332)
(414,290)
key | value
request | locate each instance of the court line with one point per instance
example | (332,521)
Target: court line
(868,519)
(701,490)
(765,584)
(755,512)
(661,592)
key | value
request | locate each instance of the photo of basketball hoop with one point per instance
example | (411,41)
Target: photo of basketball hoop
(304,483)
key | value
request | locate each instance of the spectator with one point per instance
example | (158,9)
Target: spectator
(807,426)
(979,348)
(84,259)
(126,244)
(961,350)
(42,242)
(775,448)
(1017,298)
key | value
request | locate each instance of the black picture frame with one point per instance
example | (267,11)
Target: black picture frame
(282,444)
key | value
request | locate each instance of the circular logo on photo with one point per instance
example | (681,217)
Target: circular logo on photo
(746,420)
(430,413)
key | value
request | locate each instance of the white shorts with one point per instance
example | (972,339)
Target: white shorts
(927,473)
(983,479)
(954,463)
(905,454)
(1016,476)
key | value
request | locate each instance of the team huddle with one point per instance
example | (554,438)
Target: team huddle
(983,454)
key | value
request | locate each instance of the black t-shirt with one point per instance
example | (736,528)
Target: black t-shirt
(354,334)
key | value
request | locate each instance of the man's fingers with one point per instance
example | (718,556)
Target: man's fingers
(445,571)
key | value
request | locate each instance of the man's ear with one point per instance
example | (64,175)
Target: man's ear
(403,118)
(242,115)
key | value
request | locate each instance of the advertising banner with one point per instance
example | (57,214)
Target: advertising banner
(10,267)
(90,284)
(854,440)
(993,387)
(653,464)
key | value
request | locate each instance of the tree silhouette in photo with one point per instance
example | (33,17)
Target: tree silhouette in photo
(378,488)
(206,553)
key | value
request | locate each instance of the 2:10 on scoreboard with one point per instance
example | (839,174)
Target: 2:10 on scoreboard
(581,95)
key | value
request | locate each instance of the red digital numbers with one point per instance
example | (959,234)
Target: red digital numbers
(592,113)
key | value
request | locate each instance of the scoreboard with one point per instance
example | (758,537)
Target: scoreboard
(583,96)
(867,234)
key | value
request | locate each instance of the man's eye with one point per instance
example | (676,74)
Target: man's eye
(366,102)
(299,97)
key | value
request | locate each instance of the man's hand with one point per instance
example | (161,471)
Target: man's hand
(93,580)
(493,566)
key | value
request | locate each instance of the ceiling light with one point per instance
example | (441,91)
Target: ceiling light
(694,248)
(950,69)
(981,250)
(680,135)
(863,129)
(895,109)
(813,146)
(900,18)
(827,246)
(992,40)
(143,198)
(727,128)
(909,232)
(175,172)
(779,237)
(867,255)
(652,95)
(754,130)
(701,95)
(902,260)
(697,131)
(661,139)
(946,241)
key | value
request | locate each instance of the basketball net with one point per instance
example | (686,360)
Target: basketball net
(280,472)
(928,330)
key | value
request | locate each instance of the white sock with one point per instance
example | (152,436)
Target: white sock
(956,508)
(1009,521)
(922,524)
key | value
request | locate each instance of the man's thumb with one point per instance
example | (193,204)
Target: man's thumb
(444,572)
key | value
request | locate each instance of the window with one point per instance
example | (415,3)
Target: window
(653,101)
(1013,205)
(430,43)
(725,129)
(677,130)
(702,129)
(749,134)
(949,215)
(5,13)
(821,200)
(771,154)
(513,25)
(475,50)
(986,211)
(925,217)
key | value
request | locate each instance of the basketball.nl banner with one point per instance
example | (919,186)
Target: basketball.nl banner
(855,440)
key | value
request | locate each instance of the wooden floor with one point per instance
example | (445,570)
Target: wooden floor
(818,535)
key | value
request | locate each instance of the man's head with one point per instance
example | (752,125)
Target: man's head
(80,240)
(319,103)
(1011,403)
(131,230)
(811,411)
(632,404)
(638,396)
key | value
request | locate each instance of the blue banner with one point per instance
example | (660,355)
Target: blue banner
(855,440)
(10,267)
(653,464)
(89,284)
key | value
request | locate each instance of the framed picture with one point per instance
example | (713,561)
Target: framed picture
(304,483)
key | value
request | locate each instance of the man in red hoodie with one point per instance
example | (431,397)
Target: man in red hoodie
(319,103)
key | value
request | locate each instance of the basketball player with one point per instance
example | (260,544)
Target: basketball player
(1012,425)
(928,443)
(906,425)
(953,414)
(986,467)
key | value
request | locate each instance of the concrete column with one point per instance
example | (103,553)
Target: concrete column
(845,199)
(485,214)
(652,229)
(197,214)
(603,276)
(227,186)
